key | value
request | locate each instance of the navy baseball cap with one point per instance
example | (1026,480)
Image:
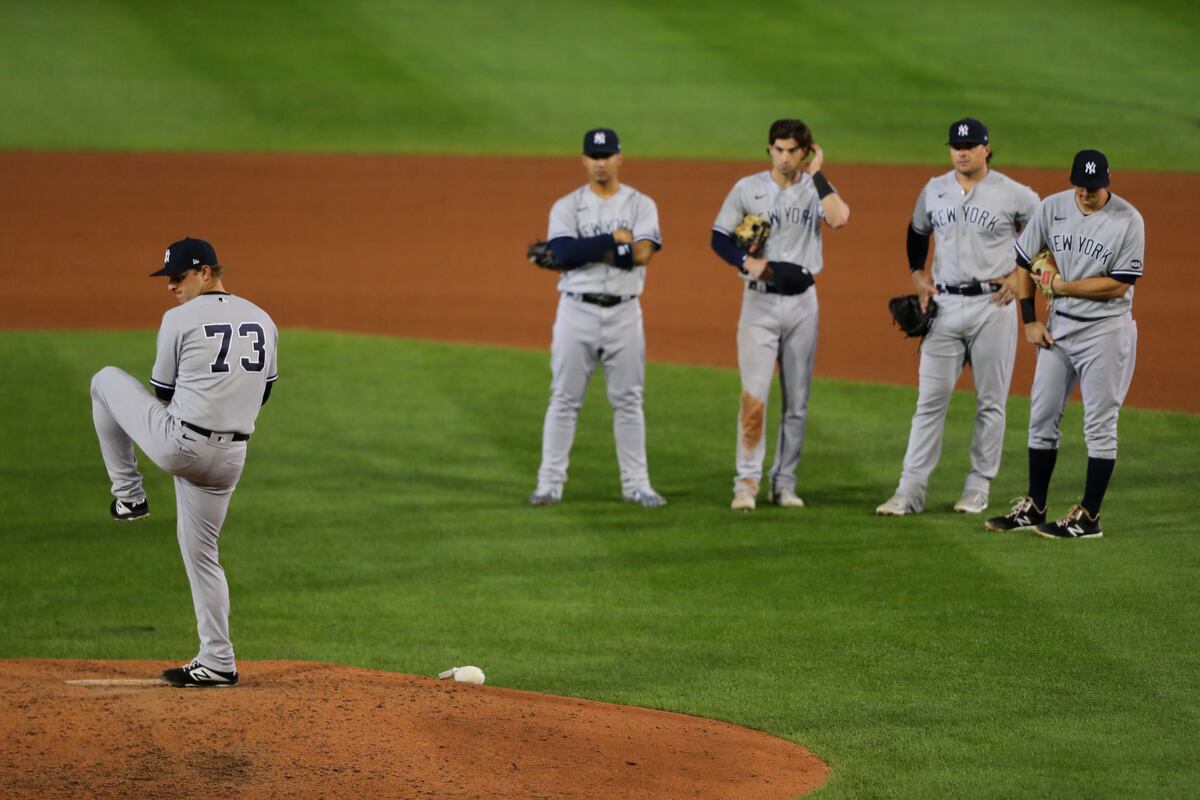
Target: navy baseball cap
(601,143)
(1090,170)
(968,130)
(187,254)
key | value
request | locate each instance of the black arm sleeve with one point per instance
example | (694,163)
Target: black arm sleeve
(267,393)
(722,245)
(790,278)
(572,253)
(1022,261)
(163,393)
(918,249)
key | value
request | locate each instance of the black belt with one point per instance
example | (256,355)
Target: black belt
(602,300)
(969,289)
(766,288)
(1079,319)
(237,437)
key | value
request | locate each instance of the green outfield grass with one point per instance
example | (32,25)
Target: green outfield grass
(382,522)
(878,81)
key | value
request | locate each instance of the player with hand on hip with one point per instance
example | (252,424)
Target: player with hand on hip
(1097,241)
(974,215)
(778,322)
(603,234)
(215,365)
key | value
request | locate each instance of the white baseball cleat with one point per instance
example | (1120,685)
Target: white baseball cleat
(647,498)
(545,496)
(973,501)
(787,498)
(896,506)
(743,501)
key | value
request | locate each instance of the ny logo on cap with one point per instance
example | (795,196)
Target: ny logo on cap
(1090,168)
(963,130)
(167,257)
(599,138)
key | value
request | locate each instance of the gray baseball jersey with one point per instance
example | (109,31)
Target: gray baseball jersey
(218,352)
(973,231)
(1110,242)
(583,214)
(794,214)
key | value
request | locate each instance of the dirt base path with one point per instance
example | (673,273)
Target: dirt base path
(433,248)
(296,729)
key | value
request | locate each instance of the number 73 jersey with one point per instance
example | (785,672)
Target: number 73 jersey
(218,353)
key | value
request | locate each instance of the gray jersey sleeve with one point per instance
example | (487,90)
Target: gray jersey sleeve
(1128,262)
(645,220)
(166,359)
(920,216)
(732,210)
(563,219)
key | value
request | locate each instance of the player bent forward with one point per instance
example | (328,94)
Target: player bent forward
(974,214)
(1097,240)
(603,234)
(215,365)
(778,323)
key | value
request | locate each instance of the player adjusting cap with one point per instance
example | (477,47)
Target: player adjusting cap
(601,142)
(1090,170)
(187,254)
(968,130)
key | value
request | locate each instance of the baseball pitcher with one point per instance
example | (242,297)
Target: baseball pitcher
(215,365)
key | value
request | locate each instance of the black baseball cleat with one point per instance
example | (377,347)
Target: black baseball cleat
(197,675)
(1077,524)
(1024,516)
(123,511)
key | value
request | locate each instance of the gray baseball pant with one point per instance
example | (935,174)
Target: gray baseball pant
(205,475)
(1099,357)
(585,336)
(966,328)
(774,329)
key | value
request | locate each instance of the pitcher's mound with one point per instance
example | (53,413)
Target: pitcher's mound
(298,729)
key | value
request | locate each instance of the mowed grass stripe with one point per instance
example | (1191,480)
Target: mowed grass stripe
(381,522)
(695,80)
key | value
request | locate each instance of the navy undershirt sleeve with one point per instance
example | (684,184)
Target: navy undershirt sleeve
(723,245)
(163,393)
(918,249)
(267,393)
(572,253)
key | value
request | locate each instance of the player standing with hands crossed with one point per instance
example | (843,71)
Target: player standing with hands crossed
(214,369)
(779,317)
(974,215)
(603,235)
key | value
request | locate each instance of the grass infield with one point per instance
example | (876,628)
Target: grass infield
(878,82)
(381,522)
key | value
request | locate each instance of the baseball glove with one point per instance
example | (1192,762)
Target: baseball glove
(751,234)
(906,313)
(540,254)
(1044,271)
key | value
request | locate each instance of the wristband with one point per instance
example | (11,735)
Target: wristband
(1028,312)
(823,187)
(623,256)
